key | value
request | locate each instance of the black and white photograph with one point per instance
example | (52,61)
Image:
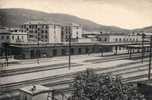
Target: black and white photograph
(75,49)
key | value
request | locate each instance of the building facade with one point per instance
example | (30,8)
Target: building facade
(119,37)
(50,33)
(18,36)
(73,31)
(28,51)
(42,32)
(12,36)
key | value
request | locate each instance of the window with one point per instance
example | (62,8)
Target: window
(2,37)
(54,52)
(87,50)
(63,52)
(124,40)
(46,31)
(77,35)
(71,51)
(30,26)
(77,27)
(18,37)
(7,37)
(119,48)
(79,50)
(105,39)
(12,37)
(46,36)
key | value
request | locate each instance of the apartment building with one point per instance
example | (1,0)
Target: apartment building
(74,30)
(50,33)
(42,31)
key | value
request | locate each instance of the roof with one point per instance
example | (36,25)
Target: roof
(36,22)
(28,45)
(138,46)
(35,90)
(19,33)
(146,82)
(40,22)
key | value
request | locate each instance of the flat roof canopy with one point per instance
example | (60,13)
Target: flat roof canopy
(137,46)
(72,44)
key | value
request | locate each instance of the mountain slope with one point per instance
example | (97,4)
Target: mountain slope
(14,17)
(145,29)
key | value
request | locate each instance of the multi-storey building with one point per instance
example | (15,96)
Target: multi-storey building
(119,37)
(50,33)
(18,36)
(12,36)
(42,31)
(75,30)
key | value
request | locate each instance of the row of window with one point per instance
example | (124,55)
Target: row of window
(39,26)
(10,37)
(125,40)
(34,26)
(122,40)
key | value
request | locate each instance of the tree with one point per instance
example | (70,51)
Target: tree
(88,85)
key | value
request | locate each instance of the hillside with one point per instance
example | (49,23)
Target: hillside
(14,17)
(145,29)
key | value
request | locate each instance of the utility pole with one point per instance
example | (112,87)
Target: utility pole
(53,95)
(69,40)
(143,50)
(6,53)
(150,55)
(38,44)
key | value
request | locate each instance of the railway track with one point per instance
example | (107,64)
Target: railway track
(69,80)
(36,69)
(11,72)
(18,71)
(46,80)
(61,80)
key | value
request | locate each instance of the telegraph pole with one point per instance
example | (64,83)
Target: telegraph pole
(150,55)
(143,50)
(69,33)
(6,53)
(38,44)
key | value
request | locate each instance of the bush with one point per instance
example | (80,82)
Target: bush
(91,86)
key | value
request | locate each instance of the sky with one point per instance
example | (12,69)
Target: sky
(127,14)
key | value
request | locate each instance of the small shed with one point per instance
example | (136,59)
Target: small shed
(35,92)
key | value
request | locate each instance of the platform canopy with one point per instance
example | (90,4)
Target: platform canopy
(138,46)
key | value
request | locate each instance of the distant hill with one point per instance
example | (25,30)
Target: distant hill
(14,17)
(145,29)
